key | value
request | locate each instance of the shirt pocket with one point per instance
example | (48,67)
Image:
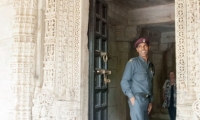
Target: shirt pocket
(141,76)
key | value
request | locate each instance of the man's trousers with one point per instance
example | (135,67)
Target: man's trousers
(139,111)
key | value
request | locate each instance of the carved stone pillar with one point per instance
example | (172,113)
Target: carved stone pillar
(64,84)
(187,59)
(23,53)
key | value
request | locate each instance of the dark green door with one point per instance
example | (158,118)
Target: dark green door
(98,73)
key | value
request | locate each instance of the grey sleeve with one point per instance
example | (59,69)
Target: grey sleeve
(126,80)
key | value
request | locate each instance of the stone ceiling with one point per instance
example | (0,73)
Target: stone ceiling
(161,27)
(132,5)
(135,4)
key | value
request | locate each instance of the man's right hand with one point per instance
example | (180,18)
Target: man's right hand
(132,100)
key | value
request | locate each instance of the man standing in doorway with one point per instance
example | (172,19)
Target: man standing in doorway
(137,82)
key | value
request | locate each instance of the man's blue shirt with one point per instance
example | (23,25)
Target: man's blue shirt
(138,77)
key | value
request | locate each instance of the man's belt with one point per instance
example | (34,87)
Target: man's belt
(143,95)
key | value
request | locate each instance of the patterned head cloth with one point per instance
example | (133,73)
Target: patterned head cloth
(141,40)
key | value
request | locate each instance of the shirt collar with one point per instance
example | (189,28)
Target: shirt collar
(143,60)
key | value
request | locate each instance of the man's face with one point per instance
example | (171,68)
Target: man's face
(143,49)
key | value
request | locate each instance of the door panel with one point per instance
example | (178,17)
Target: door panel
(98,73)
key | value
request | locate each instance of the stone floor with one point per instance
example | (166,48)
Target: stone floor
(163,115)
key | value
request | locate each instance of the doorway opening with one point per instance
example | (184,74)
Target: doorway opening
(127,21)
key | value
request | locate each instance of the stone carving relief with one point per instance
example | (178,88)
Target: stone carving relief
(193,69)
(61,78)
(50,28)
(49,79)
(196,107)
(25,4)
(23,63)
(67,114)
(180,57)
(42,104)
(187,42)
(58,98)
(49,51)
(51,6)
(24,24)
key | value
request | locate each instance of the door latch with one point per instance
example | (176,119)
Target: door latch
(102,54)
(104,73)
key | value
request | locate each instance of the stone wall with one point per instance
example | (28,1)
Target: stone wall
(114,84)
(187,59)
(44,58)
(119,54)
(6,39)
(44,73)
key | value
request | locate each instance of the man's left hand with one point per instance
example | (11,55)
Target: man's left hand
(149,107)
